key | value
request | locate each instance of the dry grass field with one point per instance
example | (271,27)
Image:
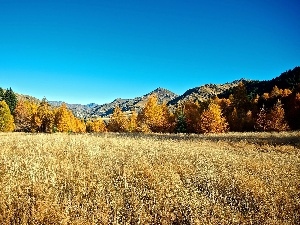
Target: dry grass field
(235,178)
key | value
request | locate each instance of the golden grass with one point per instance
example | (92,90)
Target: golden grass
(233,178)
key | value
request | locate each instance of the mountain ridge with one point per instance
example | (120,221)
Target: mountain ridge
(289,79)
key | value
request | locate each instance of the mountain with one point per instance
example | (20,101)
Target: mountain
(127,105)
(287,80)
(204,92)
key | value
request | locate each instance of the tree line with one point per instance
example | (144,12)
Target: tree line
(278,110)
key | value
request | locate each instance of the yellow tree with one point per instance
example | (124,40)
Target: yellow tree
(276,92)
(286,92)
(23,115)
(155,117)
(97,126)
(6,119)
(276,119)
(80,126)
(168,122)
(118,121)
(192,112)
(261,121)
(132,122)
(212,120)
(150,115)
(43,117)
(64,119)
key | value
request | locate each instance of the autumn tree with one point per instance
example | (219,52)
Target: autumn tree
(44,117)
(6,119)
(286,92)
(154,117)
(148,116)
(11,99)
(97,126)
(261,123)
(276,119)
(118,121)
(23,115)
(192,112)
(79,124)
(132,122)
(64,119)
(212,120)
(167,119)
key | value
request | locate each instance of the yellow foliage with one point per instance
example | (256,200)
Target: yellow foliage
(23,114)
(65,120)
(132,122)
(43,117)
(192,112)
(156,117)
(6,119)
(118,121)
(276,120)
(97,126)
(212,121)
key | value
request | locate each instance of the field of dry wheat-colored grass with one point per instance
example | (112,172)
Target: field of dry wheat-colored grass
(235,178)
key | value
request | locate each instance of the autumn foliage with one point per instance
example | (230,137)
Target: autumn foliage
(6,119)
(278,110)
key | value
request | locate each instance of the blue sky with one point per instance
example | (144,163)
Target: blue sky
(83,51)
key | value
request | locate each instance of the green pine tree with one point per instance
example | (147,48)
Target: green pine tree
(1,94)
(181,123)
(11,100)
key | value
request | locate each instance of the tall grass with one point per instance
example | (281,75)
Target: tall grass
(150,179)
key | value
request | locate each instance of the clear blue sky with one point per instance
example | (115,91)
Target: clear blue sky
(83,51)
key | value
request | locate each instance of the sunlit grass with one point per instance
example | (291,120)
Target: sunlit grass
(235,178)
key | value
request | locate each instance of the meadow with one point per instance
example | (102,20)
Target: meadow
(110,178)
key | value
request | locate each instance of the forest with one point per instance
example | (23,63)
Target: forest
(277,110)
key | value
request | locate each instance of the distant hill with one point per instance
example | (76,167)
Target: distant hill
(204,92)
(289,79)
(127,105)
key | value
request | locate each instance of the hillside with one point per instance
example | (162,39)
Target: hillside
(204,92)
(127,105)
(289,79)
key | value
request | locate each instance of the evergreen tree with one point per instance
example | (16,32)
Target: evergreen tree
(181,124)
(1,94)
(11,100)
(6,119)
